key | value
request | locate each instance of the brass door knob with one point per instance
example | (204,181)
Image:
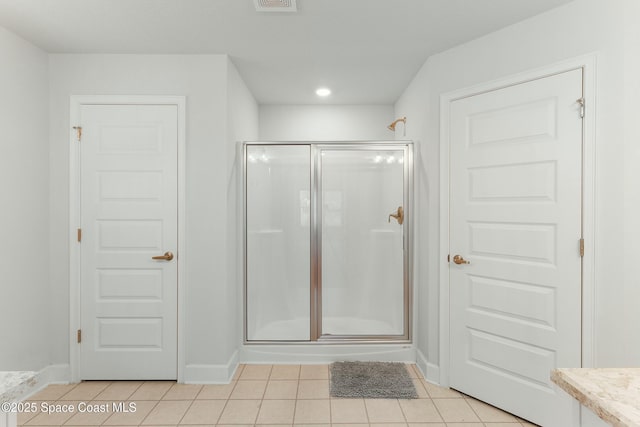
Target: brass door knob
(168,256)
(459,260)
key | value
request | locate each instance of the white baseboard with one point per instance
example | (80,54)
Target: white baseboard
(211,374)
(433,373)
(57,374)
(52,374)
(422,363)
(430,371)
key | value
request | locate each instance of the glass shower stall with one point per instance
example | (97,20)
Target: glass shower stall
(327,230)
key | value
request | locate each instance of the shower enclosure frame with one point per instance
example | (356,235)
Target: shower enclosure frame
(315,230)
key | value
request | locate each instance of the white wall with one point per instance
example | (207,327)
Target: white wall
(242,126)
(581,27)
(24,198)
(325,122)
(210,281)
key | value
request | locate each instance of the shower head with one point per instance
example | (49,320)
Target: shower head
(392,126)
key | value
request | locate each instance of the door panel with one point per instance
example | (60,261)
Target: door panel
(362,267)
(516,171)
(129,215)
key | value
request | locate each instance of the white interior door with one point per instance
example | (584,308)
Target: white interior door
(128,208)
(515,216)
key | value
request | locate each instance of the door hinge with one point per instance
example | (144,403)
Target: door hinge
(79,336)
(78,132)
(581,247)
(581,102)
(79,234)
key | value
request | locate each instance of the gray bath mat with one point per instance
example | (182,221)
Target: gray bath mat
(381,380)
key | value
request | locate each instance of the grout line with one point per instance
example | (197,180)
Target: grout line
(187,411)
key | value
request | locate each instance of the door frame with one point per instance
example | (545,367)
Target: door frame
(76,102)
(588,64)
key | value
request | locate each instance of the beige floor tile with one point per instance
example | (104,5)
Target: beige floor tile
(53,392)
(237,373)
(455,410)
(55,414)
(281,389)
(167,412)
(152,390)
(388,424)
(182,392)
(422,392)
(249,389)
(502,425)
(216,391)
(310,425)
(464,425)
(526,423)
(314,372)
(255,372)
(419,410)
(435,391)
(418,372)
(348,411)
(86,391)
(351,425)
(285,372)
(312,412)
(142,409)
(276,412)
(412,372)
(91,414)
(313,389)
(234,425)
(30,410)
(240,412)
(119,390)
(384,411)
(427,425)
(203,412)
(488,413)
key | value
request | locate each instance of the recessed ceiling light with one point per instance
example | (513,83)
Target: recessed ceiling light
(323,91)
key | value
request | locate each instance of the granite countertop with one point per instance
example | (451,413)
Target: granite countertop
(14,385)
(611,393)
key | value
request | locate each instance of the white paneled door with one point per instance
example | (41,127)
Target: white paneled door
(515,230)
(128,163)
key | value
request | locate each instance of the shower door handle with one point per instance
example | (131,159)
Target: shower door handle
(398,215)
(168,256)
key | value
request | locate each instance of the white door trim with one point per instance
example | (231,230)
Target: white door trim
(76,101)
(588,64)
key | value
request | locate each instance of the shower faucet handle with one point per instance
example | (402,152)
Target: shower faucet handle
(398,215)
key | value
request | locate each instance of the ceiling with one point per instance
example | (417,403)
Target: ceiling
(366,51)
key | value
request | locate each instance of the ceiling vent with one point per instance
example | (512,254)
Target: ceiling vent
(275,5)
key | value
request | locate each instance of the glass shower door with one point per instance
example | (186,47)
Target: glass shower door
(277,198)
(363,285)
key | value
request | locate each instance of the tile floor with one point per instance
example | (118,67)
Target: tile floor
(274,395)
